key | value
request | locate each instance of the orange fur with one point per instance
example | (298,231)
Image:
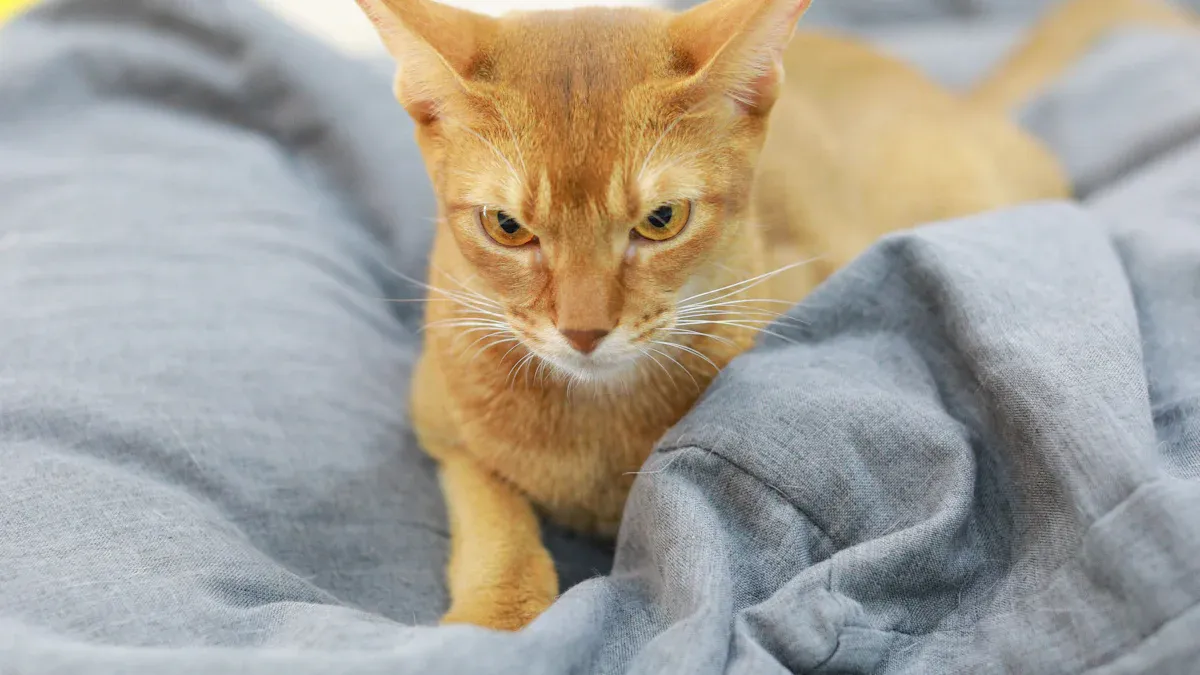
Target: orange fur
(580,123)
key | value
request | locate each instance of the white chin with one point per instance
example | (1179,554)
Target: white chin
(595,367)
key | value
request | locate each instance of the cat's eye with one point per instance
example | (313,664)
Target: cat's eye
(665,221)
(503,228)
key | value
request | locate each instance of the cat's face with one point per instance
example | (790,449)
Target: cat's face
(592,166)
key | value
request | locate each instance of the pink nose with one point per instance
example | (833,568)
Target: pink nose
(584,340)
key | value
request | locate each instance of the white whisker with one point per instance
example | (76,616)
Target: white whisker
(513,135)
(510,350)
(746,324)
(743,301)
(465,286)
(731,311)
(662,136)
(494,343)
(540,371)
(681,366)
(515,371)
(466,323)
(452,295)
(715,367)
(781,319)
(656,362)
(697,333)
(744,285)
(483,312)
(481,339)
(492,146)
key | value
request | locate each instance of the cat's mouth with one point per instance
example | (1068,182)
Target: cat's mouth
(614,357)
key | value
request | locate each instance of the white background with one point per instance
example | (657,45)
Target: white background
(342,22)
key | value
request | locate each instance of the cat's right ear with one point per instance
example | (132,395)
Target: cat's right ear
(435,46)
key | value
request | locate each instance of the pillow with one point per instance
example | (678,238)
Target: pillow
(203,403)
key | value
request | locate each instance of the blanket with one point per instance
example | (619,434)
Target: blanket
(976,450)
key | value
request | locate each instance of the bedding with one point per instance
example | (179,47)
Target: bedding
(980,453)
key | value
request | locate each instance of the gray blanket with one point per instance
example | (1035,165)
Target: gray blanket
(981,454)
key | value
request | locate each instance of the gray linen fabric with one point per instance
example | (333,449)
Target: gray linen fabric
(980,455)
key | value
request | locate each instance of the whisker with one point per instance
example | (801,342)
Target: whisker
(716,322)
(697,333)
(781,319)
(480,304)
(744,324)
(514,372)
(466,323)
(467,297)
(689,350)
(466,333)
(527,368)
(494,343)
(656,362)
(467,330)
(513,135)
(481,339)
(744,301)
(677,160)
(736,311)
(492,146)
(510,350)
(426,299)
(453,295)
(746,284)
(681,366)
(481,311)
(663,135)
(464,285)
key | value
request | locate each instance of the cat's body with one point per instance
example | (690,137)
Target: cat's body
(559,353)
(921,156)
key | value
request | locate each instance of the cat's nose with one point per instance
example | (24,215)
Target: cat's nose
(584,340)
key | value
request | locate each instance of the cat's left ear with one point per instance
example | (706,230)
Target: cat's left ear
(436,47)
(736,47)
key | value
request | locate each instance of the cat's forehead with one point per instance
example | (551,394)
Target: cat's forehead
(584,52)
(573,84)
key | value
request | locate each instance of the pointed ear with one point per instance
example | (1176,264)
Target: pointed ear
(736,47)
(437,47)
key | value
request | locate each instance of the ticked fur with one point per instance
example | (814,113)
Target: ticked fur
(578,124)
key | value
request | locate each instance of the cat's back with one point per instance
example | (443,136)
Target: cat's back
(862,144)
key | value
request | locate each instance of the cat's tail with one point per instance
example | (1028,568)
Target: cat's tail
(1062,36)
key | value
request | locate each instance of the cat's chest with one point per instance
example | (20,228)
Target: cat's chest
(575,458)
(575,434)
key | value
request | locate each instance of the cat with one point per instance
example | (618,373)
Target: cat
(617,220)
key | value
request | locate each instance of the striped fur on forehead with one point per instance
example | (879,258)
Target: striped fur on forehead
(657,152)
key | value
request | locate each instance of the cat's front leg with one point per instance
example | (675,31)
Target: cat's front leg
(500,574)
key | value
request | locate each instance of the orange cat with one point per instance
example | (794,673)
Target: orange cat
(604,197)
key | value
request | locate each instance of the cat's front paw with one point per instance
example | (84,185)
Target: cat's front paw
(506,617)
(510,602)
(505,607)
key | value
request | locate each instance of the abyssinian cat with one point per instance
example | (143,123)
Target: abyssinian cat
(615,187)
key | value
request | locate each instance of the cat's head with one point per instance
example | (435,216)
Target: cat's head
(593,166)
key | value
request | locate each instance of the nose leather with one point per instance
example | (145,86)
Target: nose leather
(584,341)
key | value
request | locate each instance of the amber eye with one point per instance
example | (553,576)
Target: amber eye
(665,221)
(506,230)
